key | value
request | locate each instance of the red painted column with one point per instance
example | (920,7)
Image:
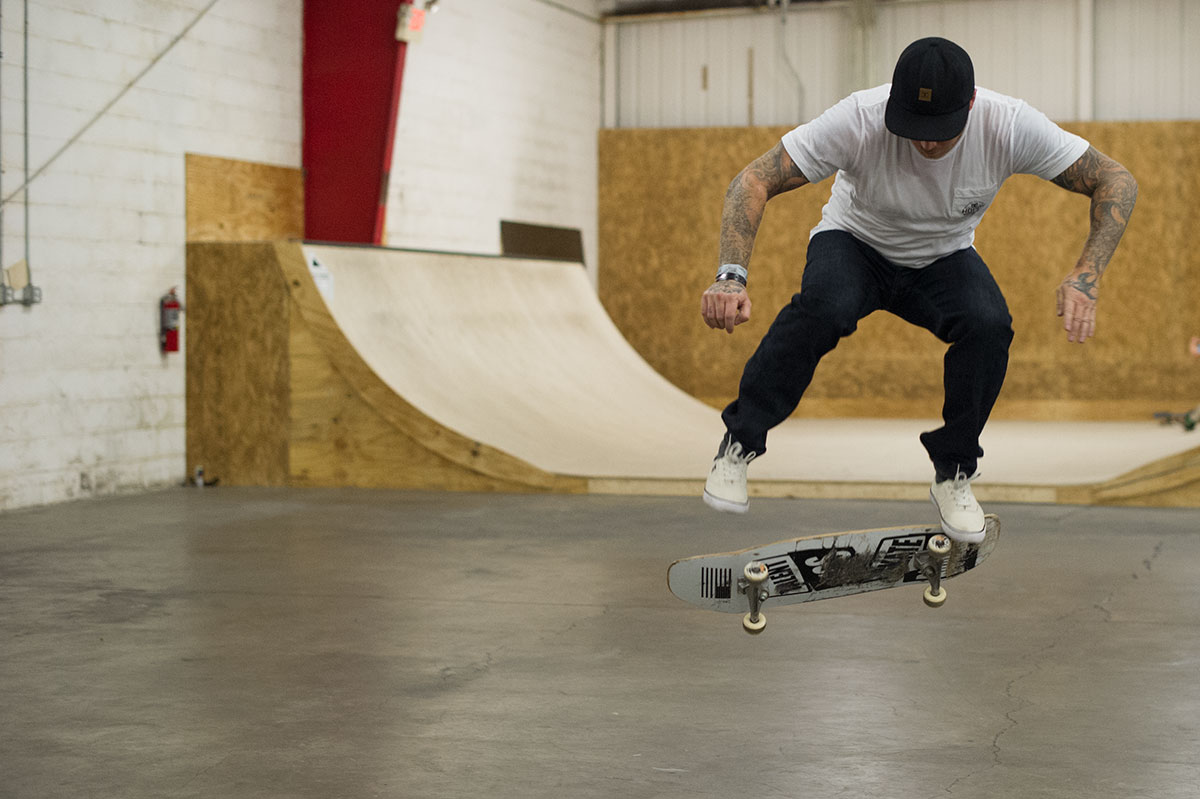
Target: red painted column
(390,135)
(353,66)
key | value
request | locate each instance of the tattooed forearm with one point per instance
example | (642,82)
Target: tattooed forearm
(746,199)
(1114,192)
(743,212)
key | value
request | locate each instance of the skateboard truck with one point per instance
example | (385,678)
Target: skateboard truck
(929,562)
(751,584)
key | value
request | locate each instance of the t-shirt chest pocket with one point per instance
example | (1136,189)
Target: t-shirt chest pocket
(972,201)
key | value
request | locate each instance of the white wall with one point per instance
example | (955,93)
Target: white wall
(87,404)
(1073,59)
(499,113)
(1149,64)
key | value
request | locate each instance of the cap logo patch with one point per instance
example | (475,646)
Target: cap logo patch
(925,95)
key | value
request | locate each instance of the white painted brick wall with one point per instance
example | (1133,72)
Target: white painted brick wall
(499,114)
(88,405)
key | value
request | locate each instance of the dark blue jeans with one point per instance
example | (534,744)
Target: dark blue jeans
(955,298)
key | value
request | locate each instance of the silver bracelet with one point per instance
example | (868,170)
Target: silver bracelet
(733,272)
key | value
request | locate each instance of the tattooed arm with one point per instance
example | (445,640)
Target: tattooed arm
(1113,191)
(726,304)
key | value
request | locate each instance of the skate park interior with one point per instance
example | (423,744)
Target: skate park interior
(450,482)
(531,396)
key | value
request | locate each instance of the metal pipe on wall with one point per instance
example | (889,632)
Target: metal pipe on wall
(22,278)
(25,133)
(787,60)
(3,276)
(863,15)
(1086,65)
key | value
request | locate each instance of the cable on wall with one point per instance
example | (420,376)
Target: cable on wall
(787,59)
(108,106)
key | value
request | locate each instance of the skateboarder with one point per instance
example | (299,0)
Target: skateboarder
(917,161)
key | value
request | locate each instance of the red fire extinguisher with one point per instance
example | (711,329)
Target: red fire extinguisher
(168,328)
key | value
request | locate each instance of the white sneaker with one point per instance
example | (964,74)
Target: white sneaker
(962,518)
(726,486)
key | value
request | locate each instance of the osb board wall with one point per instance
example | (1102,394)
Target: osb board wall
(660,204)
(237,363)
(230,200)
(235,317)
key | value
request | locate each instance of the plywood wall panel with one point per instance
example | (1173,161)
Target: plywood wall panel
(237,365)
(231,200)
(660,208)
(236,317)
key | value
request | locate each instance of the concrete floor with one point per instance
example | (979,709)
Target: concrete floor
(282,643)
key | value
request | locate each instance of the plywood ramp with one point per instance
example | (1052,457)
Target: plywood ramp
(276,396)
(427,370)
(349,427)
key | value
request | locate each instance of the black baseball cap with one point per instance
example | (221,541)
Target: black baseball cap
(931,92)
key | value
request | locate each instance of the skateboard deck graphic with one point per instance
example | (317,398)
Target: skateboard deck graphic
(826,566)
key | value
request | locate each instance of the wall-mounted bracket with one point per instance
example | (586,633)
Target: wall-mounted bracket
(17,287)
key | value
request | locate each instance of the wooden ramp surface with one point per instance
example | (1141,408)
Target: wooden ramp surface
(517,354)
(520,356)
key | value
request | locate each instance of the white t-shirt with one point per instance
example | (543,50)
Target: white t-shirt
(911,209)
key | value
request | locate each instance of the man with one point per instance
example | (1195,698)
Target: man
(917,161)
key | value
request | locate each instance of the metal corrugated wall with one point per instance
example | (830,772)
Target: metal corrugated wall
(1147,59)
(1026,48)
(1073,59)
(727,69)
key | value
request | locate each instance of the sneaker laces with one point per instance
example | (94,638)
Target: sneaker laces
(960,491)
(735,452)
(729,468)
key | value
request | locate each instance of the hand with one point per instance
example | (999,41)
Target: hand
(1076,304)
(1194,346)
(725,305)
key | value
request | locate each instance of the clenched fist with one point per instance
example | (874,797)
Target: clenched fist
(725,305)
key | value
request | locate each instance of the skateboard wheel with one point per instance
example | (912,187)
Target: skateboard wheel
(755,572)
(753,626)
(934,600)
(940,544)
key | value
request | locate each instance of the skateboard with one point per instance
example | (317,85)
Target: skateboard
(1185,419)
(826,566)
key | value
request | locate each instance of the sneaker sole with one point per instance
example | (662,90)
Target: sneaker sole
(716,503)
(962,536)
